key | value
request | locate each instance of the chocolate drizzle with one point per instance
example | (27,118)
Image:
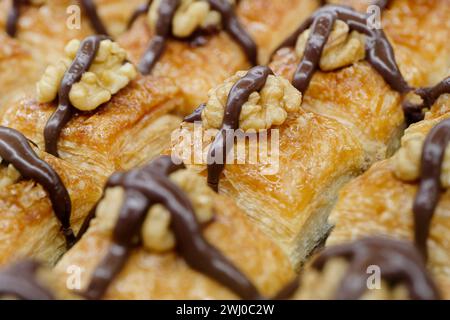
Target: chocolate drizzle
(379,52)
(414,112)
(83,60)
(167,10)
(13,17)
(19,281)
(141,10)
(88,6)
(430,188)
(399,262)
(91,12)
(254,80)
(15,150)
(144,188)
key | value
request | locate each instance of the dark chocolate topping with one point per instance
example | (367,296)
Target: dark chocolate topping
(15,150)
(88,6)
(13,17)
(91,12)
(167,10)
(399,263)
(254,80)
(140,10)
(196,115)
(83,60)
(414,112)
(19,281)
(379,52)
(232,25)
(145,187)
(430,188)
(382,4)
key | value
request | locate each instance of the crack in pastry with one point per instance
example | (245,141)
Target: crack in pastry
(88,6)
(144,188)
(15,150)
(168,14)
(20,281)
(341,272)
(379,52)
(98,71)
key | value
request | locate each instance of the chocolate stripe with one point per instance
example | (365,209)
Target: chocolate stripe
(15,149)
(379,52)
(141,10)
(430,188)
(91,12)
(166,12)
(82,62)
(13,17)
(144,188)
(399,262)
(20,282)
(254,80)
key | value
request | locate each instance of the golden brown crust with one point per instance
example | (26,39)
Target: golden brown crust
(42,33)
(291,204)
(28,226)
(104,140)
(378,203)
(196,70)
(166,276)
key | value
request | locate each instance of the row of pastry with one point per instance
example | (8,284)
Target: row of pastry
(148,227)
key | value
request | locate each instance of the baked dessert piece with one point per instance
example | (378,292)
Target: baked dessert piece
(43,200)
(198,48)
(345,40)
(33,34)
(404,197)
(374,268)
(418,31)
(106,117)
(287,164)
(161,233)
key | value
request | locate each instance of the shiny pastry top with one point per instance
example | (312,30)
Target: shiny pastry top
(94,70)
(16,151)
(87,5)
(144,188)
(184,19)
(230,108)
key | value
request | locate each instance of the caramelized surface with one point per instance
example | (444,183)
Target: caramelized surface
(149,275)
(28,226)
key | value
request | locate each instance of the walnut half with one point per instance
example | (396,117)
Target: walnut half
(156,233)
(190,15)
(408,159)
(342,48)
(108,74)
(263,110)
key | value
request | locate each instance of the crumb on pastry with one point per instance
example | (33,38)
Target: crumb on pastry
(342,48)
(407,160)
(263,110)
(156,233)
(190,15)
(107,75)
(8,175)
(323,285)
